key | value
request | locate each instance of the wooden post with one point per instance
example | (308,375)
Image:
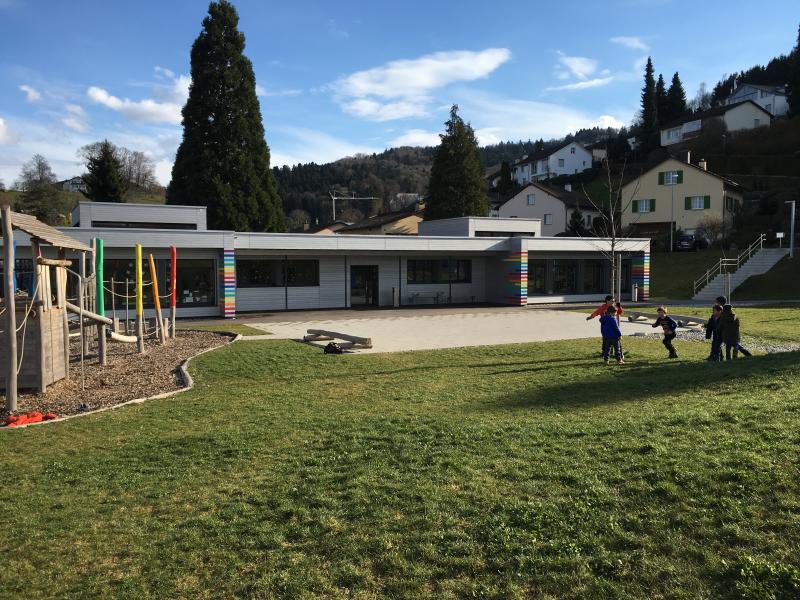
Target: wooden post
(39,285)
(100,300)
(157,301)
(11,315)
(139,302)
(61,294)
(174,294)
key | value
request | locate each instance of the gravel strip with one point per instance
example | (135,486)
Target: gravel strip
(127,376)
(752,344)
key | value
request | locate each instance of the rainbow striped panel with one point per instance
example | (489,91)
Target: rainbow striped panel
(515,288)
(640,274)
(228,300)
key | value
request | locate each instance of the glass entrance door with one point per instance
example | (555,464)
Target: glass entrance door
(364,285)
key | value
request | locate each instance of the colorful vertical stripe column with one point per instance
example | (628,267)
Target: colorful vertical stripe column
(515,287)
(640,274)
(228,284)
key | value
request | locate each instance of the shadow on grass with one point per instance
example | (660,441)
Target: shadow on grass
(645,381)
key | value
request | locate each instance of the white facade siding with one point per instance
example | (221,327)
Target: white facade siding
(745,116)
(480,226)
(575,157)
(775,104)
(88,213)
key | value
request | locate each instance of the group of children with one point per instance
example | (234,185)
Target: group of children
(721,328)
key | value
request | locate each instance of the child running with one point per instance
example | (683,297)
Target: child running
(712,333)
(723,301)
(668,325)
(601,310)
(729,332)
(609,329)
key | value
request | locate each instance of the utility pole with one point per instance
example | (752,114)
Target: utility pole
(791,225)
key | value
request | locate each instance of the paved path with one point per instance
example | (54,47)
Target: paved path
(393,331)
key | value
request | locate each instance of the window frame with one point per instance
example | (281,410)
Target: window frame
(548,219)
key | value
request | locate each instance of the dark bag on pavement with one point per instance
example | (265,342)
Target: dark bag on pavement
(333,348)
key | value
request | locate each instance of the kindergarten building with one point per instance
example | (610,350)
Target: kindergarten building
(452,261)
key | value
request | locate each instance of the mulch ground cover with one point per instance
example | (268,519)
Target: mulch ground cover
(127,376)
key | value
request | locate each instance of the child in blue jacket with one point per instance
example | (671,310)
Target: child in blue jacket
(609,329)
(668,325)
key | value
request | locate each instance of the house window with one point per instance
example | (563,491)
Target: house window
(769,108)
(670,177)
(531,199)
(588,219)
(438,270)
(302,273)
(593,276)
(196,281)
(560,162)
(584,163)
(548,219)
(572,150)
(673,134)
(537,276)
(756,122)
(697,203)
(254,273)
(565,276)
(644,206)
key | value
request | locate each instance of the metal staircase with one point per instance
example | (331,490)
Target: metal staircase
(729,273)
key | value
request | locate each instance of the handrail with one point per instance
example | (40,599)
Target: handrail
(723,264)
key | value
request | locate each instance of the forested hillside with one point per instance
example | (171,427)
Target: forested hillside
(305,187)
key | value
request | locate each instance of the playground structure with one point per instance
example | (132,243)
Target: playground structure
(37,354)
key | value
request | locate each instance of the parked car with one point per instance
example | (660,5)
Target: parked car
(693,242)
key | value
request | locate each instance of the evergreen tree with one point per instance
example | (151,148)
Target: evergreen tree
(576,226)
(104,179)
(794,81)
(649,125)
(676,100)
(661,100)
(539,146)
(506,184)
(456,187)
(223,160)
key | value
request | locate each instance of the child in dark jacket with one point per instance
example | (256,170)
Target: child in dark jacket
(729,331)
(609,329)
(668,325)
(712,333)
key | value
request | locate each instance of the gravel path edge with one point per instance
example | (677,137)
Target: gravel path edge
(183,369)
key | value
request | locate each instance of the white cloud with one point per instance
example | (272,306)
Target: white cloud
(162,72)
(337,31)
(5,133)
(265,93)
(416,137)
(76,118)
(31,95)
(402,88)
(583,85)
(497,119)
(301,145)
(579,66)
(148,111)
(633,42)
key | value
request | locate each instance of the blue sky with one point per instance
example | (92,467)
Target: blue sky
(339,78)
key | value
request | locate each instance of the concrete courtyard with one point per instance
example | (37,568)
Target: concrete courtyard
(401,330)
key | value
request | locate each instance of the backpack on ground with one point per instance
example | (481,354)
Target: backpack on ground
(333,348)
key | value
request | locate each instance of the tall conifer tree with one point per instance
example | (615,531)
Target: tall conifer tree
(649,108)
(223,160)
(104,178)
(661,100)
(676,99)
(457,187)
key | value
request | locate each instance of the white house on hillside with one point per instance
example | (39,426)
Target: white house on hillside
(552,205)
(771,98)
(739,116)
(568,159)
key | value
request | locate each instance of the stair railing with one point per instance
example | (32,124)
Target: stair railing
(729,265)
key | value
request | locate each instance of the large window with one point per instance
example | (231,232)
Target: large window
(439,270)
(565,276)
(537,277)
(593,276)
(276,272)
(196,282)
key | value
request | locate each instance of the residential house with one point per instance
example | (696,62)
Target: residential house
(736,117)
(401,222)
(567,159)
(75,184)
(680,193)
(553,205)
(771,98)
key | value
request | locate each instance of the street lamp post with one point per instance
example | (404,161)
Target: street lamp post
(791,231)
(672,218)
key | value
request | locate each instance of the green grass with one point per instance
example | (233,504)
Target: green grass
(672,274)
(239,328)
(782,282)
(779,323)
(499,472)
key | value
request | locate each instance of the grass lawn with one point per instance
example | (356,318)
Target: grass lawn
(239,328)
(780,282)
(779,323)
(507,471)
(672,274)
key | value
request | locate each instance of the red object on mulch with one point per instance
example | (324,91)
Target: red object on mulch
(31,417)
